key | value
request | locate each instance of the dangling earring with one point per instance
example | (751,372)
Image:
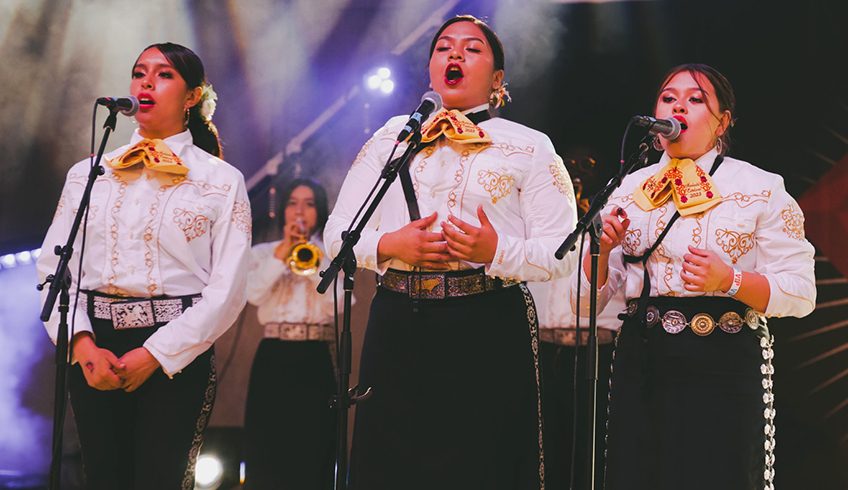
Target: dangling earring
(657,144)
(187,115)
(719,146)
(499,97)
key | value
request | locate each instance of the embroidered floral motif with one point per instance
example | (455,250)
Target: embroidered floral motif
(498,184)
(194,225)
(562,181)
(241,216)
(361,155)
(793,220)
(733,243)
(632,241)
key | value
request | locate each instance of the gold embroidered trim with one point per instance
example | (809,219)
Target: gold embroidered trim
(733,243)
(745,200)
(361,155)
(632,241)
(194,225)
(793,220)
(562,181)
(241,216)
(498,184)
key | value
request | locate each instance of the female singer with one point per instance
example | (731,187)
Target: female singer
(289,424)
(452,340)
(163,276)
(705,246)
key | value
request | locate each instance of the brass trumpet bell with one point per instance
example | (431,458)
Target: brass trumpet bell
(304,259)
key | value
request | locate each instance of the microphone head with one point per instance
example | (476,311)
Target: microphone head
(433,97)
(676,129)
(133,106)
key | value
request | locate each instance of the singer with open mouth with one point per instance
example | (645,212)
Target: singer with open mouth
(451,345)
(163,275)
(705,247)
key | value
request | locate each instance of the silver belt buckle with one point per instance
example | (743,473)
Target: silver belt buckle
(136,314)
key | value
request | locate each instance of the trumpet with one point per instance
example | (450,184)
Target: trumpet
(305,256)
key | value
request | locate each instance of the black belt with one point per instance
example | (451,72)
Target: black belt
(441,285)
(125,312)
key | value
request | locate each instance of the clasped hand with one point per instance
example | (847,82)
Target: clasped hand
(104,371)
(458,240)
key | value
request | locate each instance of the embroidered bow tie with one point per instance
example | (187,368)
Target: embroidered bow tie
(153,154)
(455,126)
(692,188)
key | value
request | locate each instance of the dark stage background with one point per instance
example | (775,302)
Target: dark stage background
(290,76)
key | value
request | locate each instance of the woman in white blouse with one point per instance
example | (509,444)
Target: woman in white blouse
(289,424)
(452,341)
(163,276)
(691,402)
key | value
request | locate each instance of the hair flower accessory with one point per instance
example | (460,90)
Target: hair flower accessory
(207,102)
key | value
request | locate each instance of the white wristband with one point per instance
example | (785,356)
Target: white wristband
(737,282)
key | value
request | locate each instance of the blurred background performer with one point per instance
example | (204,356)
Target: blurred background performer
(289,424)
(691,401)
(451,345)
(556,357)
(163,276)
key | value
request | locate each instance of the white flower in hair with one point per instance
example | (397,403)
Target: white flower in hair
(207,102)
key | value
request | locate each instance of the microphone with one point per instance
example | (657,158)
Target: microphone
(126,105)
(667,128)
(430,101)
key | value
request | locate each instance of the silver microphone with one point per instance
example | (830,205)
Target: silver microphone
(128,106)
(669,129)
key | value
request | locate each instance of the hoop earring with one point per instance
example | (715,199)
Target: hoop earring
(656,144)
(719,146)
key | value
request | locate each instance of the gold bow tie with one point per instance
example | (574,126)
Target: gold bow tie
(692,188)
(455,127)
(153,154)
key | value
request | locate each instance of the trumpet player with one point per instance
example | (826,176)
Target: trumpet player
(289,426)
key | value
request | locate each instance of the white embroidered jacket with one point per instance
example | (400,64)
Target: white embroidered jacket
(757,227)
(148,237)
(518,178)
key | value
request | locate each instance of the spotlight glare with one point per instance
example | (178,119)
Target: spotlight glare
(374,82)
(383,72)
(8,261)
(36,253)
(387,86)
(209,472)
(24,257)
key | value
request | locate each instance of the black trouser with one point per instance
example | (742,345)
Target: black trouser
(454,402)
(289,424)
(686,411)
(147,439)
(557,364)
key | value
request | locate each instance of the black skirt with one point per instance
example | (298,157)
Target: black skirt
(289,424)
(455,401)
(689,411)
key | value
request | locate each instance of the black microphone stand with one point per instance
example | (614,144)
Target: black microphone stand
(591,223)
(346,261)
(60,283)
